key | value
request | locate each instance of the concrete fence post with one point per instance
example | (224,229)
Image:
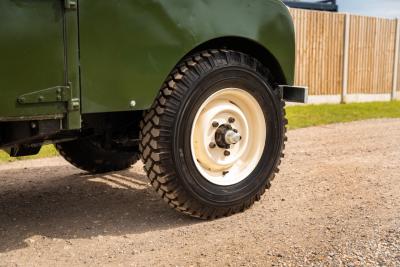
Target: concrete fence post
(396,61)
(346,57)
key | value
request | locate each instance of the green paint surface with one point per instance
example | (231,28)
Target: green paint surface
(31,54)
(128,48)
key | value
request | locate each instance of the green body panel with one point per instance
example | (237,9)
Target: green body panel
(71,37)
(31,55)
(111,53)
(128,47)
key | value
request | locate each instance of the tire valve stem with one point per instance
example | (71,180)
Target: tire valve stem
(226,153)
(225,173)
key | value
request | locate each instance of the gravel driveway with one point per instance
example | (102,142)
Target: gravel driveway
(335,202)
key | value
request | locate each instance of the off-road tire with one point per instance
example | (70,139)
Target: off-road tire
(167,160)
(91,157)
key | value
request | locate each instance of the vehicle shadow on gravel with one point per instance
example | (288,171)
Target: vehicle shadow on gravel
(80,206)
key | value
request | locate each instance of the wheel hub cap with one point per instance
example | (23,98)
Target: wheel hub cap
(232,137)
(225,136)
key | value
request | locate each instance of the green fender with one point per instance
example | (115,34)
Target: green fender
(128,47)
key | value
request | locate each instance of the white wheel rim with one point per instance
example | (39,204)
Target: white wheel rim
(249,121)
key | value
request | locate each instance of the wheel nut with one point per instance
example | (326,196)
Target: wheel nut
(235,130)
(231,120)
(212,145)
(215,124)
(227,153)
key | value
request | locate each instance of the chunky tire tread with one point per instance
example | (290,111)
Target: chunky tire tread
(156,132)
(93,159)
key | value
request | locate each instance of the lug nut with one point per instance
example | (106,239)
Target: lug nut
(235,130)
(227,153)
(215,124)
(225,173)
(231,120)
(212,145)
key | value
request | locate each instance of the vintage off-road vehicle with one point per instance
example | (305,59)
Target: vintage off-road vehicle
(195,88)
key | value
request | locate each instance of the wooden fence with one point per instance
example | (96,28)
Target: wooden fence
(345,58)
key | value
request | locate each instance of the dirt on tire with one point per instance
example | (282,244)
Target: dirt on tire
(335,202)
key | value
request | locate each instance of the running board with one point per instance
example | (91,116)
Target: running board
(294,93)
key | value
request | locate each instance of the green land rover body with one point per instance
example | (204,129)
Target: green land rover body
(195,88)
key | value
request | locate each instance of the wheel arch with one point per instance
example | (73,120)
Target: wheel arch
(247,46)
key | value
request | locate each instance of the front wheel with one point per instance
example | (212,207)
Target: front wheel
(213,139)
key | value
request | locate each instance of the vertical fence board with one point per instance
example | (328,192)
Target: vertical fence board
(396,67)
(345,59)
(371,58)
(320,38)
(319,49)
